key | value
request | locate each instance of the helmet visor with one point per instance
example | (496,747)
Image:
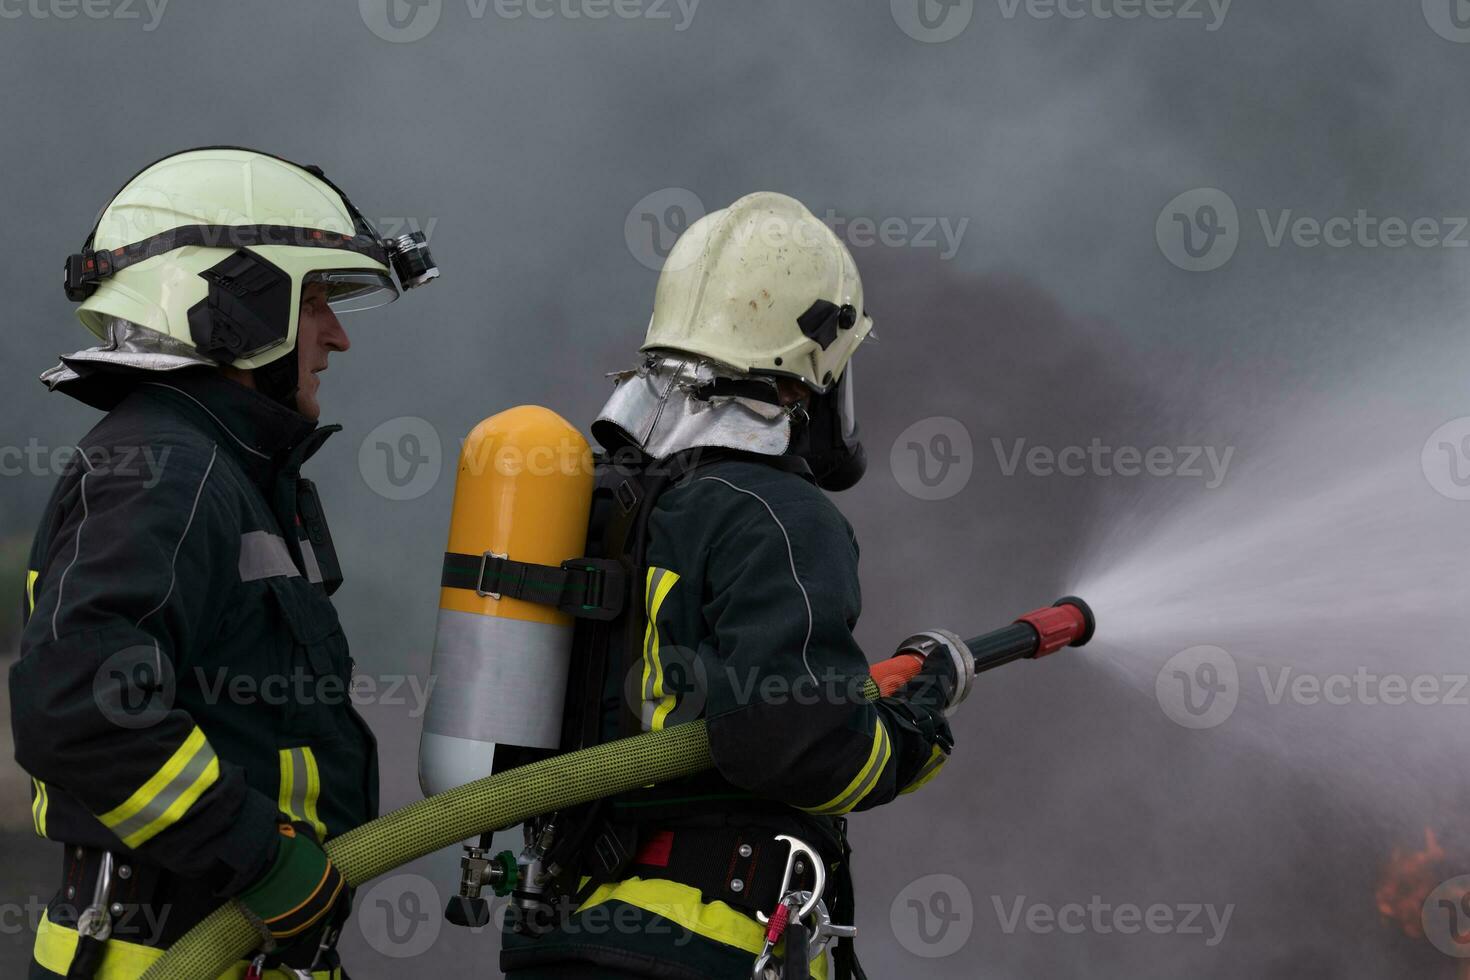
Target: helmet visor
(352,290)
(846,407)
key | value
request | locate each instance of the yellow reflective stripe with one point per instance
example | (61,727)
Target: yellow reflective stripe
(862,784)
(39,803)
(683,906)
(31,576)
(937,758)
(162,801)
(656,588)
(301,787)
(57,945)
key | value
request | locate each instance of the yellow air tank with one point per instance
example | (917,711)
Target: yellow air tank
(500,665)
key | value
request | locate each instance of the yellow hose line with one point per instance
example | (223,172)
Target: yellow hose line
(503,800)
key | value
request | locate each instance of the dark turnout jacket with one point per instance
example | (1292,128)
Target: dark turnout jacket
(751,596)
(183,677)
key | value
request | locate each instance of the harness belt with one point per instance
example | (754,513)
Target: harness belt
(741,867)
(149,909)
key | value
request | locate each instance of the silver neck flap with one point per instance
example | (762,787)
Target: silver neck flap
(659,408)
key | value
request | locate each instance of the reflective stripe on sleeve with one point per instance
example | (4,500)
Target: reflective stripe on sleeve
(862,784)
(301,787)
(168,794)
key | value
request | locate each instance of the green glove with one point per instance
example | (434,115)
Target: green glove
(298,898)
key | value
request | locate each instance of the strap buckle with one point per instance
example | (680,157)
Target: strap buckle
(485,557)
(84,270)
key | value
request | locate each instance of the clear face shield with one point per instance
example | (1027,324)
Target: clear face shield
(354,290)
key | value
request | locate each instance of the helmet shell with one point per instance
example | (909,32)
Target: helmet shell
(215,186)
(737,283)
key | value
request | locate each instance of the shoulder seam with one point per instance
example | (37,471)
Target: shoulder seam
(173,560)
(791,557)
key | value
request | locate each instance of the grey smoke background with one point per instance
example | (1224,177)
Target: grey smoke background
(523,145)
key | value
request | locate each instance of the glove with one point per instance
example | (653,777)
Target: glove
(934,686)
(946,676)
(299,899)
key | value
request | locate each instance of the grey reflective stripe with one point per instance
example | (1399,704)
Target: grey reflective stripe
(264,555)
(155,808)
(308,558)
(300,782)
(880,763)
(934,763)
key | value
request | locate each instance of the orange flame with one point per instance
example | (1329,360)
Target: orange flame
(1407,882)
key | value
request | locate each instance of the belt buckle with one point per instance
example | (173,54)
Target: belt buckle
(485,557)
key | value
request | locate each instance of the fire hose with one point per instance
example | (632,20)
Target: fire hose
(505,799)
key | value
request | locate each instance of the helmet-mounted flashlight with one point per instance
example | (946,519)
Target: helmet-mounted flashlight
(411,261)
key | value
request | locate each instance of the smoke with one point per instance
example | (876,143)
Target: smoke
(1057,325)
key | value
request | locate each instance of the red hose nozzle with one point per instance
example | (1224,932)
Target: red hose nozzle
(1068,622)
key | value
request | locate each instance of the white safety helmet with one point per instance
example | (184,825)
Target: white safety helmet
(764,287)
(750,294)
(213,248)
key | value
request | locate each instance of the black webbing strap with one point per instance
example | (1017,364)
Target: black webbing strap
(591,588)
(85,269)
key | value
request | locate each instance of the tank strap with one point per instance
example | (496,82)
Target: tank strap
(589,588)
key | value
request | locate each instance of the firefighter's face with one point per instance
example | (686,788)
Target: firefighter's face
(318,333)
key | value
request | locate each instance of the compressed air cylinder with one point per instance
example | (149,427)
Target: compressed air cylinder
(500,666)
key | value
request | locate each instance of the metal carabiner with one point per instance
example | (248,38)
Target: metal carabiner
(96,919)
(819,874)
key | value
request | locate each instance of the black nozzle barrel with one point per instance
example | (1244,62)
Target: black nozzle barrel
(1068,622)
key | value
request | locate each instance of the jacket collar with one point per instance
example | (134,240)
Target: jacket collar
(262,433)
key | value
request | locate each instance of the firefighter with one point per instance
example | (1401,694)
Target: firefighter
(748,587)
(180,701)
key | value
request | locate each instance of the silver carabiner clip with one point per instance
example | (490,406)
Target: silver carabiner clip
(819,875)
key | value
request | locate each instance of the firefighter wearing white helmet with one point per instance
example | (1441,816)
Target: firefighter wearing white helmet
(762,291)
(183,555)
(743,600)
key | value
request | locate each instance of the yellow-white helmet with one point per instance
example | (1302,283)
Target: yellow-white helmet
(764,287)
(214,246)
